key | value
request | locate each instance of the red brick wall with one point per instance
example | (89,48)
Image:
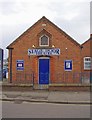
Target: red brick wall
(86,52)
(57,38)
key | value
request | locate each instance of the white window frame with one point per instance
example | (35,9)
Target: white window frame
(40,41)
(85,68)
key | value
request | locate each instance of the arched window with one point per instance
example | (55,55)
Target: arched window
(44,40)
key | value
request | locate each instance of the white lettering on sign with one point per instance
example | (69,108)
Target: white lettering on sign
(44,51)
(19,65)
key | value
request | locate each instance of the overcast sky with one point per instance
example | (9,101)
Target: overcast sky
(16,16)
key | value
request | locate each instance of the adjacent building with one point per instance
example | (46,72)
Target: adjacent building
(86,62)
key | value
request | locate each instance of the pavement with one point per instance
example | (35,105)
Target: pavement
(47,96)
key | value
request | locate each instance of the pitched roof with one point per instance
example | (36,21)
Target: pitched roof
(44,18)
(89,40)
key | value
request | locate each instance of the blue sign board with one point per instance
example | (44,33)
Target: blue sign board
(68,65)
(20,64)
(55,51)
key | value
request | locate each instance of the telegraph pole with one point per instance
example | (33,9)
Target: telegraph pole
(1,64)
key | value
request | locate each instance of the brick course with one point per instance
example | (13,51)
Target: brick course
(59,39)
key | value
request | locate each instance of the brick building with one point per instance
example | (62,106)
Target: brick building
(86,56)
(45,55)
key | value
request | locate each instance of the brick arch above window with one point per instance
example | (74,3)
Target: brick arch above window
(43,31)
(42,36)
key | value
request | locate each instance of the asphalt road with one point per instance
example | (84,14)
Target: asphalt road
(44,110)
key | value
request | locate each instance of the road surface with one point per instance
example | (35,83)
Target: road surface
(44,110)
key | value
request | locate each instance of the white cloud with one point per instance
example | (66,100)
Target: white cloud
(70,15)
(21,12)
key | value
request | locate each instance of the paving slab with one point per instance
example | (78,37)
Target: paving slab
(48,96)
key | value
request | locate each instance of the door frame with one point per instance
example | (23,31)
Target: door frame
(38,68)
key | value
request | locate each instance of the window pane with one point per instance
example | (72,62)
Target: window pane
(44,40)
(87,65)
(88,59)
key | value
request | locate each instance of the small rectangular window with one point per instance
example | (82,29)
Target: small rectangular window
(87,63)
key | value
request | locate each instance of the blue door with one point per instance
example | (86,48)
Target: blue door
(44,71)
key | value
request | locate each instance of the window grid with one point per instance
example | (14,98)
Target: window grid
(44,40)
(87,63)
